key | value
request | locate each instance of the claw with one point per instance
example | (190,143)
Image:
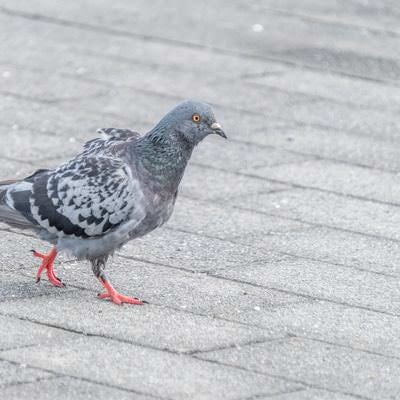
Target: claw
(48,265)
(116,297)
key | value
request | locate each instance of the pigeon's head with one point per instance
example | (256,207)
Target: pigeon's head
(193,121)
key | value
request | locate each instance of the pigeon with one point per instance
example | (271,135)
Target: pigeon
(120,187)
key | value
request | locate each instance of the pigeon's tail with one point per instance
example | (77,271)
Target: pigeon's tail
(4,186)
(14,194)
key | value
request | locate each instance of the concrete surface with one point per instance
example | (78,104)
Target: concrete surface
(278,274)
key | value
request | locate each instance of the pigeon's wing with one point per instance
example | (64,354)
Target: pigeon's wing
(110,138)
(14,197)
(118,133)
(86,197)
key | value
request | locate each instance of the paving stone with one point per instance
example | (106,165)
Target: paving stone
(16,333)
(75,126)
(209,184)
(186,250)
(331,322)
(31,146)
(324,365)
(16,373)
(17,255)
(67,389)
(363,122)
(231,30)
(145,370)
(13,169)
(325,244)
(337,177)
(14,286)
(148,326)
(322,280)
(309,394)
(374,66)
(222,222)
(377,16)
(56,89)
(238,156)
(328,209)
(165,246)
(332,86)
(330,143)
(192,292)
(81,54)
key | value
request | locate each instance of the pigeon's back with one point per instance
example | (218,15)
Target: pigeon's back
(87,196)
(113,140)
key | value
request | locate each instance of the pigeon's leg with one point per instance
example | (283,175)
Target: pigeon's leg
(48,265)
(117,298)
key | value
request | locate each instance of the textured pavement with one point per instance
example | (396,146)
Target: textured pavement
(278,275)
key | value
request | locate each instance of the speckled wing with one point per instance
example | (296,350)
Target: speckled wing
(110,138)
(85,197)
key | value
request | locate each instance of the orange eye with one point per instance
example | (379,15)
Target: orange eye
(196,118)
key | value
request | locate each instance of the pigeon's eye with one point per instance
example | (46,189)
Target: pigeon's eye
(196,118)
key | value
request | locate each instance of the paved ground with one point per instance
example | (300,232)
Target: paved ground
(278,275)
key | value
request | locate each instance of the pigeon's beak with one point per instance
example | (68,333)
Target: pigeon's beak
(217,129)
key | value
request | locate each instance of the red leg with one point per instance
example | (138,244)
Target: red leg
(48,265)
(116,297)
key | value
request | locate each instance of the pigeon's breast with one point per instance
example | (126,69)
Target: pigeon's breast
(159,208)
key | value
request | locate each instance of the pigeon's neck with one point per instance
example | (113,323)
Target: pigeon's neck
(163,157)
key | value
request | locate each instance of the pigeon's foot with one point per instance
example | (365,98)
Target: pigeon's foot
(48,265)
(116,297)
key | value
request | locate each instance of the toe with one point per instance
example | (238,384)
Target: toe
(116,300)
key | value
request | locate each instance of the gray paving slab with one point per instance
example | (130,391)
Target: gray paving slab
(80,54)
(14,286)
(184,250)
(363,15)
(198,293)
(330,322)
(309,394)
(226,223)
(149,326)
(17,333)
(17,255)
(336,177)
(328,209)
(57,89)
(31,146)
(66,389)
(333,86)
(233,31)
(332,144)
(325,244)
(148,371)
(241,156)
(322,280)
(294,104)
(51,118)
(16,373)
(14,169)
(320,364)
(368,122)
(220,186)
